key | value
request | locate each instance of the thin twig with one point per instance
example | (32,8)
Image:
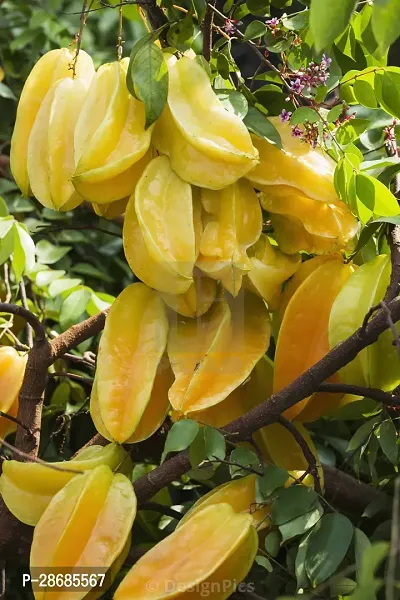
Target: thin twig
(30,458)
(207,29)
(120,41)
(79,359)
(78,37)
(358,390)
(392,326)
(308,455)
(74,377)
(6,272)
(15,420)
(20,311)
(29,336)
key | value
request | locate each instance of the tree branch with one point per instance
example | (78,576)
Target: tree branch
(269,411)
(207,29)
(308,455)
(359,390)
(77,334)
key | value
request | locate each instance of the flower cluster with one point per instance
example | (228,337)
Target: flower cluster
(231,25)
(312,77)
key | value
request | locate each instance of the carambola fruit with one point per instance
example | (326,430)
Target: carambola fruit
(201,118)
(232,223)
(161,229)
(303,335)
(297,164)
(50,68)
(302,223)
(110,138)
(198,298)
(28,487)
(210,553)
(12,370)
(86,525)
(377,366)
(212,355)
(130,350)
(190,163)
(270,268)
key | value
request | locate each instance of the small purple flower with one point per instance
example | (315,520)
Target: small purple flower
(297,86)
(230,26)
(297,132)
(325,62)
(285,116)
(273,22)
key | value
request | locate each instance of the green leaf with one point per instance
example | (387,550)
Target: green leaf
(273,478)
(46,276)
(180,34)
(264,562)
(361,436)
(385,22)
(260,8)
(244,457)
(329,19)
(180,436)
(387,436)
(147,76)
(334,113)
(303,114)
(48,253)
(342,587)
(376,197)
(23,258)
(361,544)
(351,131)
(62,285)
(73,307)
(387,89)
(255,29)
(301,524)
(368,585)
(327,546)
(296,22)
(215,446)
(91,271)
(233,102)
(300,568)
(6,241)
(258,123)
(197,450)
(3,208)
(272,543)
(365,93)
(292,502)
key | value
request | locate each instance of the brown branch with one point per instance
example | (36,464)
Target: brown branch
(77,334)
(359,390)
(269,411)
(208,28)
(308,455)
(20,311)
(15,420)
(22,289)
(88,381)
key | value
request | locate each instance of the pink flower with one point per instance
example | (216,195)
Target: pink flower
(297,132)
(285,116)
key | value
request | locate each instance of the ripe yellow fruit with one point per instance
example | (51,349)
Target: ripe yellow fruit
(213,355)
(27,488)
(297,164)
(270,269)
(197,300)
(53,67)
(232,223)
(240,494)
(303,335)
(221,135)
(190,163)
(213,550)
(124,380)
(87,524)
(161,229)
(301,223)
